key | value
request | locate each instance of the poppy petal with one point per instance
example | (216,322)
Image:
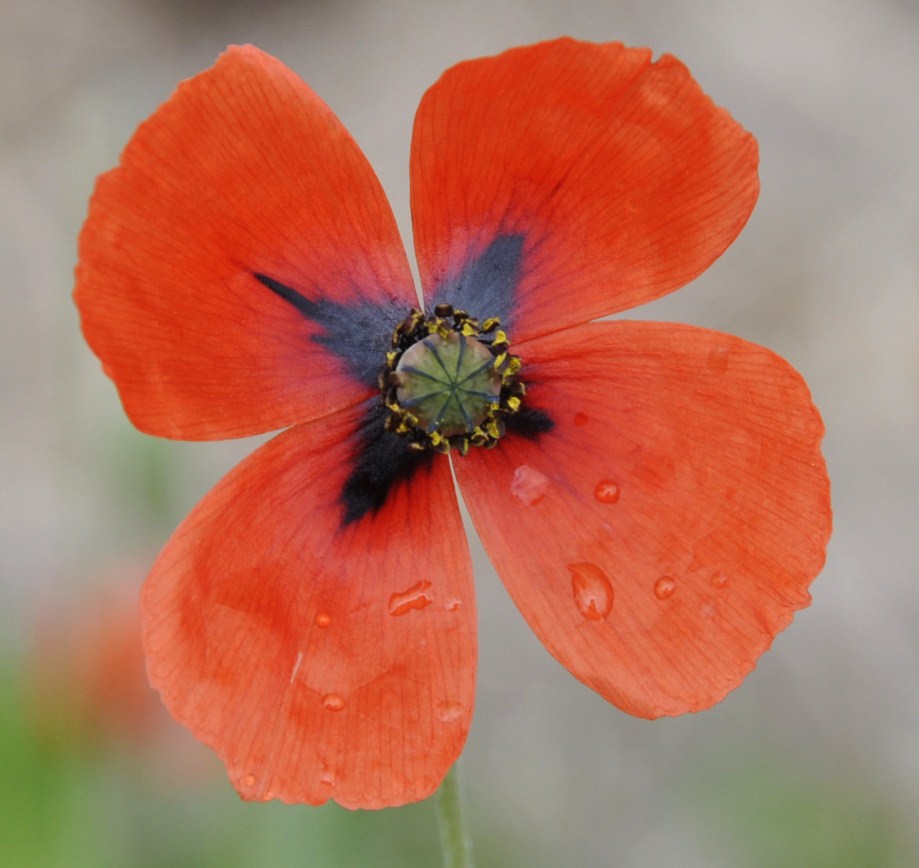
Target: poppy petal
(591,179)
(668,525)
(321,658)
(228,264)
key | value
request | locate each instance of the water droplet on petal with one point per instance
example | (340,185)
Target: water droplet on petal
(580,420)
(453,605)
(719,579)
(333,702)
(413,598)
(326,778)
(449,711)
(593,591)
(529,486)
(664,588)
(606,491)
(249,780)
(323,619)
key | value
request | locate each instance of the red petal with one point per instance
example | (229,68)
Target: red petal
(319,660)
(624,179)
(681,509)
(243,171)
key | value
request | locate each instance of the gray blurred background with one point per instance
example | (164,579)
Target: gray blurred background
(814,761)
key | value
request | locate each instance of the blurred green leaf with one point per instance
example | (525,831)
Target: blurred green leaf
(64,804)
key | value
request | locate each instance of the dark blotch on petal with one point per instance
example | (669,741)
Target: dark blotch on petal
(529,423)
(360,334)
(380,462)
(487,287)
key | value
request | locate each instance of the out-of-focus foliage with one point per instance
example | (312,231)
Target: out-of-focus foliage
(85,801)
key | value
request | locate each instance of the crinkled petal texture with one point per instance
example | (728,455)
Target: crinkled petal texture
(621,176)
(319,660)
(243,171)
(668,526)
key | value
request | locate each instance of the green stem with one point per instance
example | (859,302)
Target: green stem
(454,843)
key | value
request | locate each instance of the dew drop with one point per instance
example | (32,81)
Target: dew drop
(447,712)
(719,579)
(453,605)
(327,779)
(249,780)
(664,588)
(529,486)
(593,591)
(323,619)
(333,702)
(580,420)
(413,598)
(607,491)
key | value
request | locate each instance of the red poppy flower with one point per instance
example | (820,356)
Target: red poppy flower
(86,672)
(654,497)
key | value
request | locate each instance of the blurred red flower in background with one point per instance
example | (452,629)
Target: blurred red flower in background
(87,678)
(86,687)
(653,495)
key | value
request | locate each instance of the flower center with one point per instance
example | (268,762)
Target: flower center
(449,381)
